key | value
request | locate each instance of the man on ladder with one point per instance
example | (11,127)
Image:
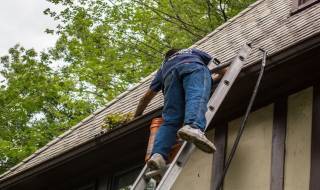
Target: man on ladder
(186,82)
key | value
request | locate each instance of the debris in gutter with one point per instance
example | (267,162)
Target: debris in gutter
(114,120)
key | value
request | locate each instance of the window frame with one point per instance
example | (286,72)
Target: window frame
(297,7)
(107,181)
(117,175)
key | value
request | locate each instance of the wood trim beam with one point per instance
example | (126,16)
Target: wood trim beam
(315,140)
(278,143)
(299,5)
(220,141)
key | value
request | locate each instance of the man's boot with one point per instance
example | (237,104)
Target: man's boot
(196,136)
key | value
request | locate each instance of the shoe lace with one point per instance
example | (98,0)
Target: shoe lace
(200,132)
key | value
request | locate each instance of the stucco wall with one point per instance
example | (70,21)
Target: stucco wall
(298,141)
(252,160)
(197,172)
(250,168)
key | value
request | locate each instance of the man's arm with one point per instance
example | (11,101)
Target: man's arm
(144,101)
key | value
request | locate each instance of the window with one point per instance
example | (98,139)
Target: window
(124,180)
(299,5)
(118,181)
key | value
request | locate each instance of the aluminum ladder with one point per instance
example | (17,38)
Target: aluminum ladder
(176,166)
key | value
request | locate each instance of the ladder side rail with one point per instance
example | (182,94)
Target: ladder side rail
(215,101)
(176,166)
(140,182)
(226,82)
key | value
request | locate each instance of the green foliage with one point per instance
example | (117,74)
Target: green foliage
(116,119)
(106,46)
(113,44)
(37,104)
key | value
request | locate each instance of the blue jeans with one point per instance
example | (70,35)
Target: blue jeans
(186,94)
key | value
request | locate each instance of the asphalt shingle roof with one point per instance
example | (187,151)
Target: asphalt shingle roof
(266,23)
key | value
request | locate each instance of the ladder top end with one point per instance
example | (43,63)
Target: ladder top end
(263,50)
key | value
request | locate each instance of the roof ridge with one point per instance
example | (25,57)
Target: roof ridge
(73,128)
(251,6)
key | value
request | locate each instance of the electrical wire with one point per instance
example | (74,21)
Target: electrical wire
(243,123)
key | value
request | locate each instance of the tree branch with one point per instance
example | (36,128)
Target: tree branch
(159,13)
(222,10)
(145,44)
(145,33)
(178,18)
(209,10)
(157,40)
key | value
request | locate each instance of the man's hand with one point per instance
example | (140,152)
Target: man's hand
(219,74)
(144,101)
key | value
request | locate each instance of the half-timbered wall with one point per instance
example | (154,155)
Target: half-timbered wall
(252,159)
(274,152)
(298,141)
(197,173)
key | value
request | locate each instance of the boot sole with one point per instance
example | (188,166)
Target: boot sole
(155,171)
(152,165)
(205,147)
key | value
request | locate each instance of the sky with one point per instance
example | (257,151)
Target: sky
(23,22)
